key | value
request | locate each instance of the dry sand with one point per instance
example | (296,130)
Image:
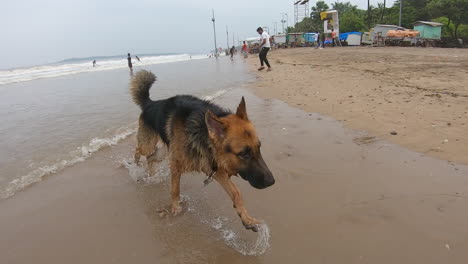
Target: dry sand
(419,93)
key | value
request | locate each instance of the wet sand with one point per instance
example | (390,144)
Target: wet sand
(419,93)
(340,197)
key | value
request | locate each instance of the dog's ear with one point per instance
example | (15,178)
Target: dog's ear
(241,110)
(216,127)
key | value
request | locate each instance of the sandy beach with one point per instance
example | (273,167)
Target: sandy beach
(421,94)
(341,196)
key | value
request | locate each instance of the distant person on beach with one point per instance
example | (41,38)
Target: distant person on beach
(244,50)
(319,41)
(129,59)
(334,40)
(264,48)
(137,58)
(231,51)
(322,39)
(94,63)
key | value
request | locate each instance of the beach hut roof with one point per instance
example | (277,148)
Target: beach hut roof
(252,39)
(429,23)
(390,26)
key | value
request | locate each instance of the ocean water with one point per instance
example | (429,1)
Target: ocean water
(65,116)
(81,65)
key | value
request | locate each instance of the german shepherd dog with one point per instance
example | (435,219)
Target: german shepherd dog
(200,136)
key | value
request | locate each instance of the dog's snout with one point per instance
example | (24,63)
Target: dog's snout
(269,181)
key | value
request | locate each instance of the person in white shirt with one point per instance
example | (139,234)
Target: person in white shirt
(264,48)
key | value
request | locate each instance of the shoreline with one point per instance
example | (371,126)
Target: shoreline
(417,94)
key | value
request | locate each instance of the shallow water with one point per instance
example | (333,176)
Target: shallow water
(54,123)
(339,197)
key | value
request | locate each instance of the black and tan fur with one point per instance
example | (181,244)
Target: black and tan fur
(200,136)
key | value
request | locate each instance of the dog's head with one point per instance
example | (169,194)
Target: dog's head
(238,148)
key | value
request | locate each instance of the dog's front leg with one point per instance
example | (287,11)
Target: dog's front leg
(233,192)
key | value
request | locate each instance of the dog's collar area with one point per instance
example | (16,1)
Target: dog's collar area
(209,179)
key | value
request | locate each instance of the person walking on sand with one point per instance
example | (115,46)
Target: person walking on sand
(322,40)
(334,39)
(244,50)
(231,51)
(317,38)
(264,48)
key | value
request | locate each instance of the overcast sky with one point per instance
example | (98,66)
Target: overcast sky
(43,31)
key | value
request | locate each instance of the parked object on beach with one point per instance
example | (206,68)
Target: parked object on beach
(402,33)
(200,136)
(424,34)
(366,38)
(253,44)
(351,38)
(383,29)
(310,39)
(296,39)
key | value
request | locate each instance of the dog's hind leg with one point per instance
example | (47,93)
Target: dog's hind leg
(147,140)
(137,156)
(176,172)
(235,195)
(152,160)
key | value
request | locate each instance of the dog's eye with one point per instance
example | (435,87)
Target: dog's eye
(245,154)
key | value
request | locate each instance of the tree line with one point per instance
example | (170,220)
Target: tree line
(452,13)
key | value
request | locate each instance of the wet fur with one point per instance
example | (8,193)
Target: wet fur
(198,139)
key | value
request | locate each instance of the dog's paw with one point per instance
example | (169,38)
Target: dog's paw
(176,209)
(251,224)
(253,227)
(163,212)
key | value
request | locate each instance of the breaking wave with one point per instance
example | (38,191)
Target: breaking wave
(78,155)
(80,66)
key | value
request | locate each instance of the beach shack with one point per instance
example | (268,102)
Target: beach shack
(366,38)
(280,40)
(428,30)
(310,37)
(253,44)
(351,38)
(296,39)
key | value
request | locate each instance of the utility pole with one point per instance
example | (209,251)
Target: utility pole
(214,33)
(401,8)
(282,22)
(368,14)
(227,38)
(285,21)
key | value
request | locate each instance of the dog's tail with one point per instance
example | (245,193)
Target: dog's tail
(140,86)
